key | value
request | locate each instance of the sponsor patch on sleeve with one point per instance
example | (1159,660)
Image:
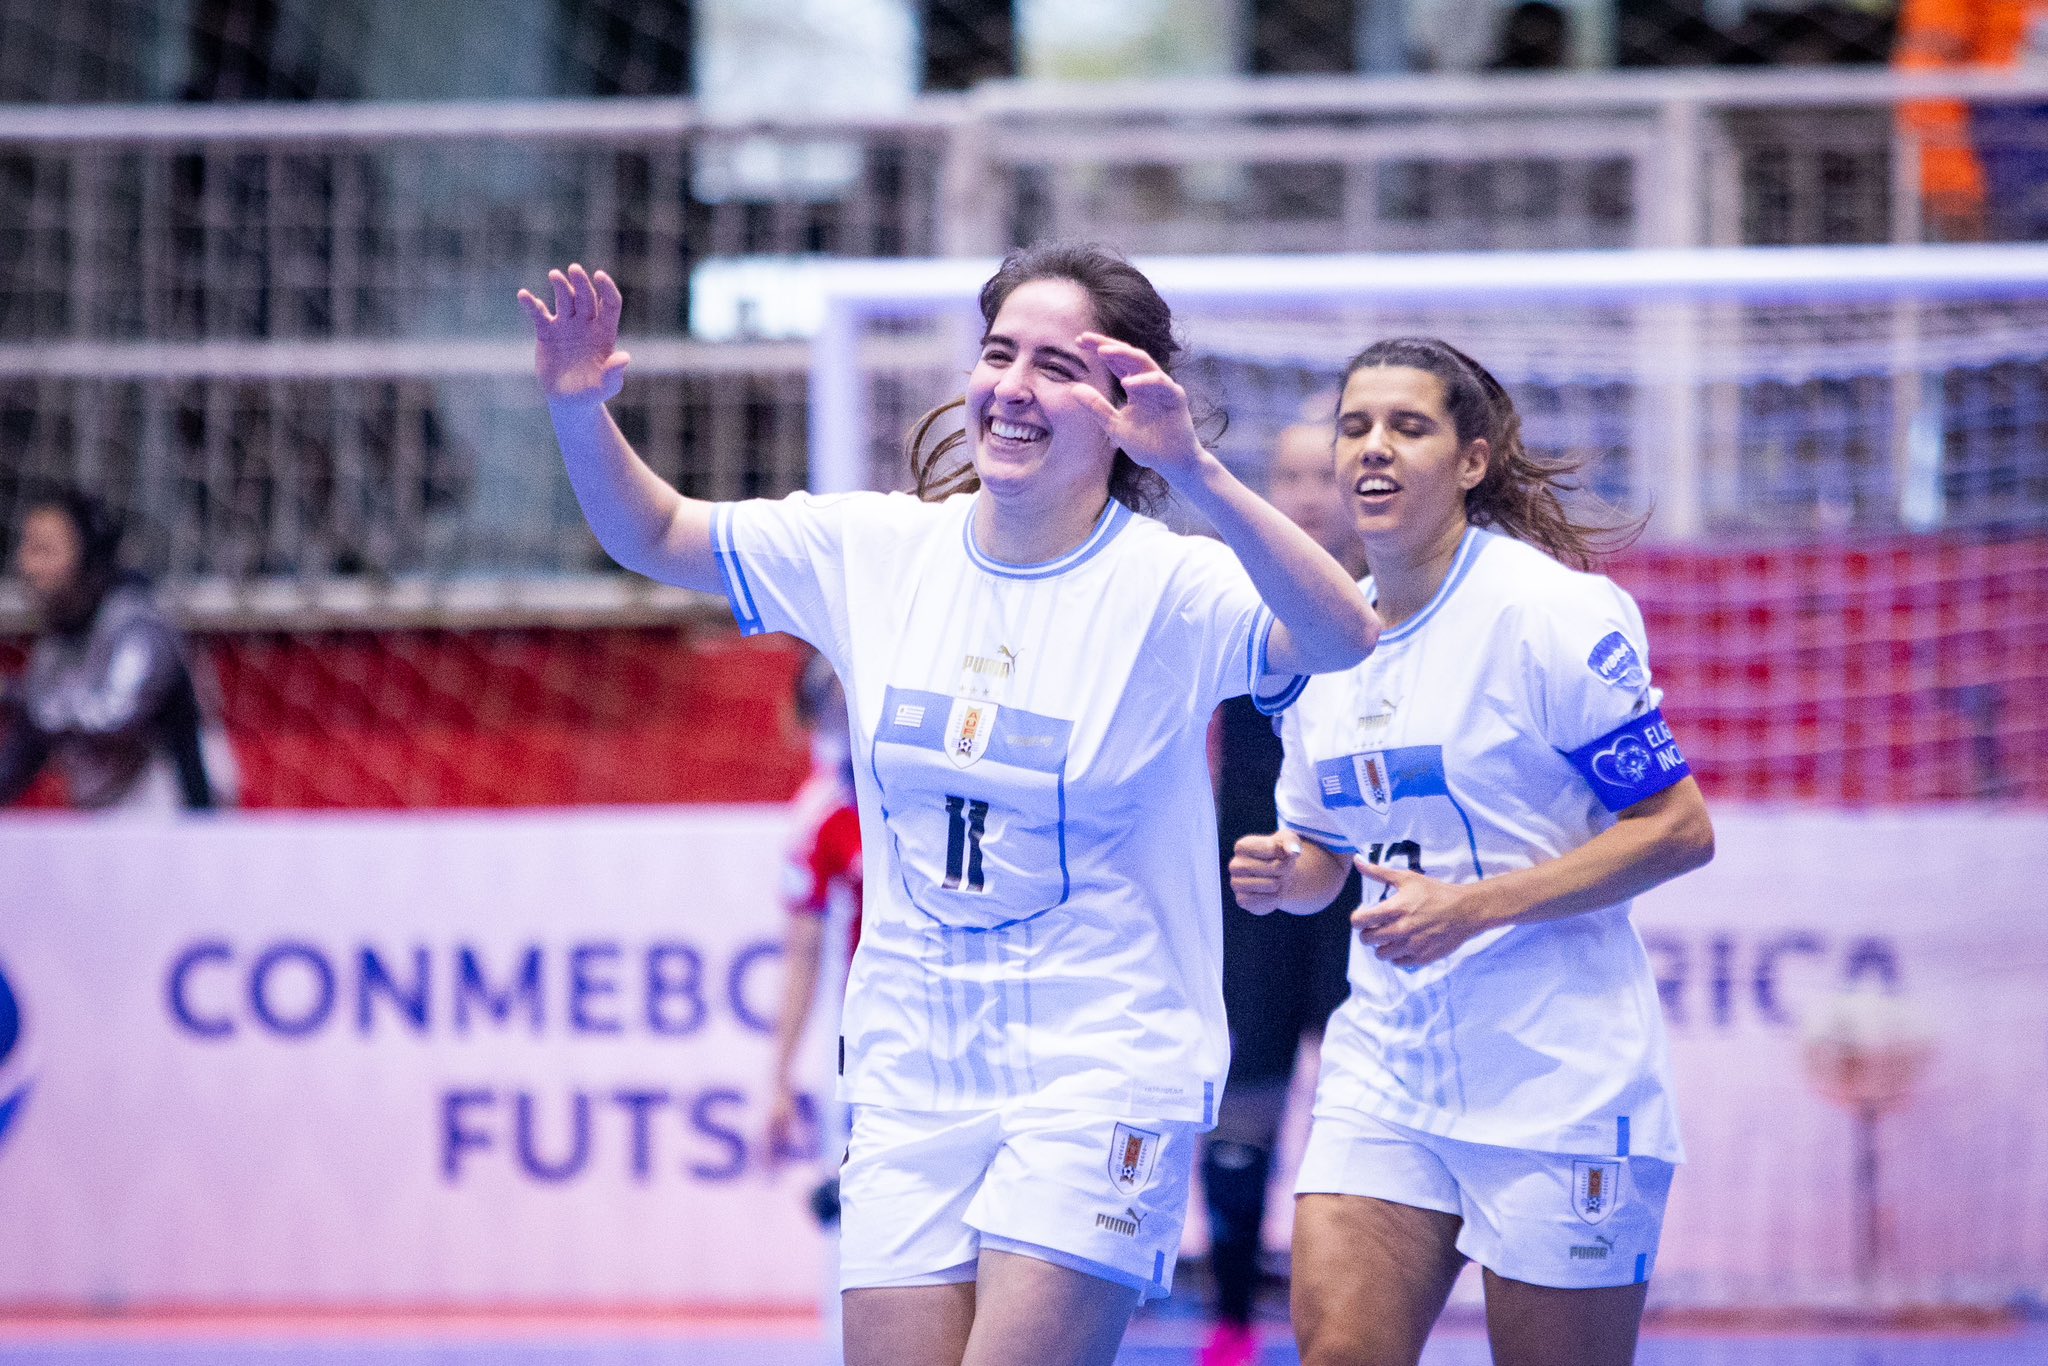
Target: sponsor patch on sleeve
(1616,662)
(1637,759)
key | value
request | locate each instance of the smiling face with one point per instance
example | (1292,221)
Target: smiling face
(1029,434)
(1400,459)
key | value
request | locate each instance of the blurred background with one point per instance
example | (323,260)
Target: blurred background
(507,832)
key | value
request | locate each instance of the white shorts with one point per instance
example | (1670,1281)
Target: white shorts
(1555,1219)
(924,1191)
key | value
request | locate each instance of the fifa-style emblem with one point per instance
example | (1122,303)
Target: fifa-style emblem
(1131,1154)
(1375,786)
(968,730)
(1596,1189)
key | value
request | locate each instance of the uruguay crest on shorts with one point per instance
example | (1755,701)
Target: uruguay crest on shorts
(1596,1189)
(968,730)
(1131,1154)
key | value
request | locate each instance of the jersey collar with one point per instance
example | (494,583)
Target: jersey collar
(1114,518)
(1469,546)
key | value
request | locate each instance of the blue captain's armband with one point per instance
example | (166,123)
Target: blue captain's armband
(1637,759)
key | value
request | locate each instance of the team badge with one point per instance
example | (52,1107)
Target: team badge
(1375,785)
(968,730)
(1131,1154)
(1596,1189)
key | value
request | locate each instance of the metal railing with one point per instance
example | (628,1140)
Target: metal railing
(285,334)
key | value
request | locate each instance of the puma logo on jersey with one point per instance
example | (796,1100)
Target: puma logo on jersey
(1002,665)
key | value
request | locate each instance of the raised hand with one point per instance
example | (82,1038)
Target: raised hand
(1154,426)
(575,352)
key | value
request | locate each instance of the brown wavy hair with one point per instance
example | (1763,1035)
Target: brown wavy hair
(1522,494)
(1127,308)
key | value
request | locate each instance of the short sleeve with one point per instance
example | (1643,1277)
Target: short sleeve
(1589,687)
(1218,600)
(1298,796)
(782,564)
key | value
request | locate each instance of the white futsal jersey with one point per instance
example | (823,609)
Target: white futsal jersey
(1502,725)
(1043,914)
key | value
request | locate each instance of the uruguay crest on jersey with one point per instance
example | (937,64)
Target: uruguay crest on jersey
(1373,784)
(968,730)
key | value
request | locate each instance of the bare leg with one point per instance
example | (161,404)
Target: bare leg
(908,1325)
(1537,1325)
(1370,1278)
(1033,1313)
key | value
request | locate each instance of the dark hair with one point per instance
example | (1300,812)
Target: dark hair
(1521,494)
(98,528)
(1127,308)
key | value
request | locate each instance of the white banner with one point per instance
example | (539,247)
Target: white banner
(518,1059)
(503,1059)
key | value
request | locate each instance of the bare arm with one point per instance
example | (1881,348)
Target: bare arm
(1284,872)
(1657,839)
(1325,623)
(637,517)
(802,954)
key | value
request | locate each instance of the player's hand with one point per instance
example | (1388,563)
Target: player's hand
(1262,869)
(1154,426)
(1420,920)
(575,352)
(783,1130)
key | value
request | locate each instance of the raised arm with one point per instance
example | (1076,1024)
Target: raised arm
(1324,622)
(638,518)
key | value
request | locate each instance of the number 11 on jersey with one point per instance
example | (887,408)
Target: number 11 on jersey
(965,820)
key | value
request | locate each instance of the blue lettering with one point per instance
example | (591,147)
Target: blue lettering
(316,1011)
(411,1000)
(675,972)
(585,988)
(457,1139)
(579,1143)
(471,985)
(1872,958)
(206,1027)
(1722,951)
(1767,1002)
(743,964)
(704,1119)
(640,1106)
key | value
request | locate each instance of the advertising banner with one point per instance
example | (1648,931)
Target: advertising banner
(520,1060)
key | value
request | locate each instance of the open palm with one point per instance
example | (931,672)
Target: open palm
(576,353)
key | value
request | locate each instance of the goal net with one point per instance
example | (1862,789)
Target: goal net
(1842,452)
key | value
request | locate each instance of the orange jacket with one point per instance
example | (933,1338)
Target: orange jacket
(1941,35)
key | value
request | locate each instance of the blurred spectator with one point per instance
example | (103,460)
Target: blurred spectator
(1983,168)
(1536,35)
(108,697)
(822,893)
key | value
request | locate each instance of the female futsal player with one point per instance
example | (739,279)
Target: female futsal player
(1494,1088)
(1033,1034)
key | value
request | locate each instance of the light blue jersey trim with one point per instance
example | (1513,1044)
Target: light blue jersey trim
(1642,1267)
(1114,518)
(1259,666)
(1336,844)
(1621,1136)
(732,573)
(1469,547)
